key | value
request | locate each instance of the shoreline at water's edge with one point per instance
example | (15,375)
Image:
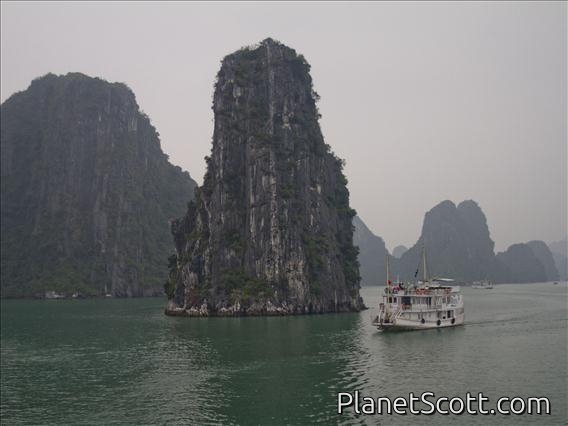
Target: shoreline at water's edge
(254,312)
(156,296)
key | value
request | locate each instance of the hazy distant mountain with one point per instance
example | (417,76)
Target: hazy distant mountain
(86,191)
(523,265)
(543,254)
(398,251)
(559,247)
(372,254)
(459,246)
(559,251)
(457,242)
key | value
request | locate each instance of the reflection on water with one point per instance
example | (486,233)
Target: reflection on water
(124,362)
(275,369)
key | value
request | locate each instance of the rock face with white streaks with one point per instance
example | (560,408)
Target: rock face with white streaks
(269,232)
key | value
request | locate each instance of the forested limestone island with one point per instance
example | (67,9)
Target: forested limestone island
(269,232)
(523,263)
(87,193)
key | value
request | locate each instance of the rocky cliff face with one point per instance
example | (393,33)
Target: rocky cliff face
(86,191)
(457,241)
(559,250)
(543,254)
(522,264)
(270,229)
(372,254)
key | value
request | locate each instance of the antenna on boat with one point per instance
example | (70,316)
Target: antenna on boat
(388,271)
(388,298)
(424,266)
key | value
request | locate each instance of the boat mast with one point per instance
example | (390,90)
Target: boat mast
(424,267)
(388,271)
(388,298)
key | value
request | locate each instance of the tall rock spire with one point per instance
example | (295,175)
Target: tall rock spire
(270,229)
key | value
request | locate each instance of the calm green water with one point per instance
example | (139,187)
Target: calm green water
(124,362)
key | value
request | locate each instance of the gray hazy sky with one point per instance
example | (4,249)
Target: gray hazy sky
(425,101)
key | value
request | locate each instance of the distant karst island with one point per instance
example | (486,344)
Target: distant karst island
(460,247)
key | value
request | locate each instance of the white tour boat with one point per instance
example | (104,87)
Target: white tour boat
(482,285)
(425,305)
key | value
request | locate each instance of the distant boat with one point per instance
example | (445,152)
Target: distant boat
(482,285)
(424,305)
(555,282)
(52,295)
(107,294)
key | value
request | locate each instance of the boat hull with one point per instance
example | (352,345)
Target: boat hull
(408,325)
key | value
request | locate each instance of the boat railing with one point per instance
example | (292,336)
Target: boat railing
(396,314)
(388,318)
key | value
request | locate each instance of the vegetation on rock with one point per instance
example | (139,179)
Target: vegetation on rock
(86,191)
(270,230)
